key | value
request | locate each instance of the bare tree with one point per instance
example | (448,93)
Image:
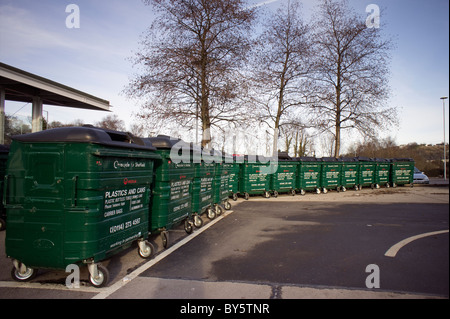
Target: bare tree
(191,56)
(112,122)
(281,62)
(297,139)
(351,72)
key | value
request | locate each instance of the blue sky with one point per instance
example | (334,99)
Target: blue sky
(95,57)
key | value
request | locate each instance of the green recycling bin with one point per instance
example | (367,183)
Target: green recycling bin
(284,179)
(4,151)
(76,195)
(350,173)
(224,165)
(233,180)
(382,172)
(331,176)
(308,174)
(202,185)
(402,171)
(171,191)
(367,169)
(255,176)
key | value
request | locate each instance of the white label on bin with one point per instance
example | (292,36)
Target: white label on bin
(124,200)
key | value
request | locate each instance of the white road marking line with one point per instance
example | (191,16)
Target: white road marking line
(392,252)
(106,292)
(35,285)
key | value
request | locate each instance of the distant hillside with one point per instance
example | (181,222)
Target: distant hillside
(428,158)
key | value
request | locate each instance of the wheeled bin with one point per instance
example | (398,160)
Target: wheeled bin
(331,177)
(76,195)
(224,165)
(202,200)
(308,174)
(4,151)
(350,173)
(171,191)
(367,169)
(283,180)
(254,176)
(234,169)
(402,171)
(382,172)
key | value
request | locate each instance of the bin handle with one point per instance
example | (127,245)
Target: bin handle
(5,186)
(74,190)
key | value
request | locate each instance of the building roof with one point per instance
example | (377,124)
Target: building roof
(22,86)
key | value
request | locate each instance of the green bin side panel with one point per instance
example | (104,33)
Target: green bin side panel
(221,184)
(68,202)
(284,179)
(331,174)
(202,187)
(382,175)
(233,180)
(350,174)
(253,179)
(171,198)
(308,177)
(367,173)
(171,204)
(402,173)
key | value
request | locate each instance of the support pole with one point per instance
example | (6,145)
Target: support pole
(36,124)
(2,115)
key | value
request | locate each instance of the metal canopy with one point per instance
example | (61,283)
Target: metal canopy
(21,86)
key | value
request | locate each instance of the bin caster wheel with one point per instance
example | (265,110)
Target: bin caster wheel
(317,190)
(198,221)
(211,213)
(188,227)
(22,273)
(302,192)
(146,249)
(266,194)
(246,196)
(325,190)
(2,224)
(98,275)
(235,196)
(344,189)
(218,209)
(165,238)
(275,194)
(227,205)
(292,192)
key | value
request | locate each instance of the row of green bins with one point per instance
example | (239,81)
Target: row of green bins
(283,180)
(308,174)
(171,197)
(254,176)
(76,195)
(4,151)
(402,171)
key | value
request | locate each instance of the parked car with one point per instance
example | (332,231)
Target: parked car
(420,177)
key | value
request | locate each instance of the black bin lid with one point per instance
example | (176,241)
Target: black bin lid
(163,141)
(307,159)
(85,134)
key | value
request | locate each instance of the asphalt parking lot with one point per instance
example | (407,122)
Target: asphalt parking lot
(313,246)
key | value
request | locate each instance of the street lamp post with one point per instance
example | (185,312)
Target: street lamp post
(445,160)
